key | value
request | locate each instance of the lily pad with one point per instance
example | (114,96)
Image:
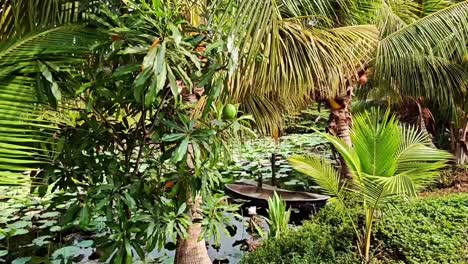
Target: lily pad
(66,252)
(20,224)
(23,260)
(55,229)
(85,244)
(50,215)
(19,232)
(41,241)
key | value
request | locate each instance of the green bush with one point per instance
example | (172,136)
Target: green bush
(430,230)
(326,239)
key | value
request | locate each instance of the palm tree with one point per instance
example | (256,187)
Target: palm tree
(35,47)
(387,162)
(290,52)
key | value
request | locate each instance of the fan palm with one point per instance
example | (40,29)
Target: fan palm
(387,162)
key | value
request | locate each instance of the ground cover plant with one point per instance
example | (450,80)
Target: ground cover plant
(427,230)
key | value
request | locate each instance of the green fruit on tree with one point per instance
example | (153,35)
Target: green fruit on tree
(229,111)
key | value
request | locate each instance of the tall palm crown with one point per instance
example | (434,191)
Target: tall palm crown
(291,51)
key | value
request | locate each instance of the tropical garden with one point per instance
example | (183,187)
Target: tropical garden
(233,131)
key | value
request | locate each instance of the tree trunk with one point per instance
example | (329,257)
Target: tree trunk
(461,145)
(193,249)
(340,122)
(340,116)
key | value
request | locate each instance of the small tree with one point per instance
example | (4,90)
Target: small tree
(387,162)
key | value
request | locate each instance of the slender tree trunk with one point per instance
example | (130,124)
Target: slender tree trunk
(340,116)
(340,122)
(193,249)
(368,235)
(461,145)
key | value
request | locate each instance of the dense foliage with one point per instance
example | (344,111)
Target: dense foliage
(123,113)
(386,163)
(429,230)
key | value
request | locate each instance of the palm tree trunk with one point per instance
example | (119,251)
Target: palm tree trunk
(340,116)
(461,145)
(340,122)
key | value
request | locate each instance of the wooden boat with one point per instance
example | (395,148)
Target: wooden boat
(304,201)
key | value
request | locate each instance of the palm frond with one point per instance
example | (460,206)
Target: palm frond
(322,172)
(431,6)
(415,153)
(20,17)
(376,139)
(26,64)
(393,15)
(284,54)
(422,59)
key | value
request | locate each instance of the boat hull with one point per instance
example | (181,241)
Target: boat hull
(305,202)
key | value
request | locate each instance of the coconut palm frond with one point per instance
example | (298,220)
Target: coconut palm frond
(376,143)
(291,59)
(386,159)
(20,17)
(392,15)
(431,6)
(423,58)
(321,171)
(27,65)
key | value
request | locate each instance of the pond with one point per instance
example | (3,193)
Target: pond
(30,227)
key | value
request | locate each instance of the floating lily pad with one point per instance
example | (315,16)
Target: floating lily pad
(20,224)
(23,260)
(85,243)
(66,252)
(18,232)
(55,229)
(50,215)
(41,241)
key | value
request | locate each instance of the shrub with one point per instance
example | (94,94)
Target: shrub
(430,230)
(326,239)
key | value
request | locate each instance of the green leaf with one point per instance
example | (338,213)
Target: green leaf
(23,260)
(181,150)
(41,241)
(173,137)
(19,232)
(84,216)
(50,215)
(85,243)
(182,209)
(55,229)
(66,252)
(20,224)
